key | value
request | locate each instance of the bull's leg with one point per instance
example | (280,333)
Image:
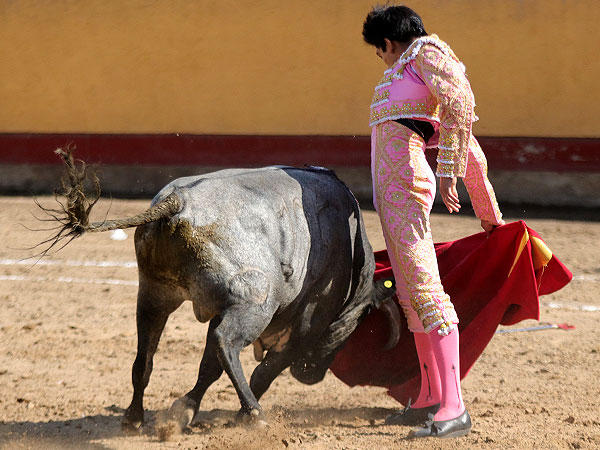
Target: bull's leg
(184,409)
(271,366)
(150,325)
(240,326)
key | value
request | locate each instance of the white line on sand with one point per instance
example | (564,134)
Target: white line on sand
(68,280)
(113,281)
(572,307)
(133,264)
(73,263)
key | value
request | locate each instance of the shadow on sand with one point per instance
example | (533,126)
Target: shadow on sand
(77,433)
(81,433)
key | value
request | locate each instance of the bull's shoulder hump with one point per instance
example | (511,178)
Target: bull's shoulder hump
(321,180)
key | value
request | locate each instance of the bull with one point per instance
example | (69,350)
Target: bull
(277,257)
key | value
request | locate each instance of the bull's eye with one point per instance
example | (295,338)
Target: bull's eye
(387,284)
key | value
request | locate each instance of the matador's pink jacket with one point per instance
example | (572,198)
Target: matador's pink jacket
(429,83)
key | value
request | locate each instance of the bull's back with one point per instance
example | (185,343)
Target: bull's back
(260,209)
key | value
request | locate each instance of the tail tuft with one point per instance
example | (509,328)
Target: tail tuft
(73,215)
(78,205)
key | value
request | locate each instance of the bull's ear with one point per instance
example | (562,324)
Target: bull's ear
(382,290)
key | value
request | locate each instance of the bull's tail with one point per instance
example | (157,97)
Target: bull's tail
(74,213)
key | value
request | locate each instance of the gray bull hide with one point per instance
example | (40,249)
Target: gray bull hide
(277,257)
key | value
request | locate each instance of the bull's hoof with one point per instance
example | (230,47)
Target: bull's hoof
(132,423)
(181,412)
(252,417)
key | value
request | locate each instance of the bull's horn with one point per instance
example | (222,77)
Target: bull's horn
(384,291)
(390,310)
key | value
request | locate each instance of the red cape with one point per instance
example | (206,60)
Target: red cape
(491,281)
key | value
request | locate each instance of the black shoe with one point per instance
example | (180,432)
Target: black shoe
(412,416)
(460,426)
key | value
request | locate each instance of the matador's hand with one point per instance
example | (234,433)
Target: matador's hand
(489,226)
(449,194)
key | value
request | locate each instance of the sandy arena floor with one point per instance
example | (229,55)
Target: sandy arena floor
(68,339)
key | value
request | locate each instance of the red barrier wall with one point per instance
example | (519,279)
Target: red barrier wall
(503,153)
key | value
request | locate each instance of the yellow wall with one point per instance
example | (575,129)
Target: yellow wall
(275,67)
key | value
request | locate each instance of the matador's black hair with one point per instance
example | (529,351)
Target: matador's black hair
(396,23)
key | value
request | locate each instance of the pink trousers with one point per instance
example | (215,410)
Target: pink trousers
(404,189)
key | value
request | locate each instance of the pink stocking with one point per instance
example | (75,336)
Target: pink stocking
(431,389)
(445,349)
